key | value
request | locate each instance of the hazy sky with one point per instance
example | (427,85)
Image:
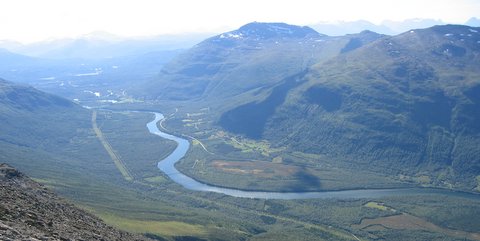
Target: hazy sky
(33,20)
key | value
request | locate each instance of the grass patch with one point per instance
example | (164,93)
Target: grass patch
(161,228)
(408,222)
(376,205)
(156,179)
(248,145)
(195,142)
(46,182)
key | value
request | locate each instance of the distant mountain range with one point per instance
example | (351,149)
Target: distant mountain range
(387,27)
(101,45)
(105,45)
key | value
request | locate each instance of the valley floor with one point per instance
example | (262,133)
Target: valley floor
(157,199)
(150,203)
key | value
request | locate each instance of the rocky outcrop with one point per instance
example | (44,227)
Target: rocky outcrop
(29,211)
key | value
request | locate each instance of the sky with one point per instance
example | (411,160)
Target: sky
(34,20)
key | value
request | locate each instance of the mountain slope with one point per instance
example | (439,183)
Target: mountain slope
(405,105)
(51,138)
(20,105)
(242,62)
(29,211)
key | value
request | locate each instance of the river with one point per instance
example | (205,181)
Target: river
(167,166)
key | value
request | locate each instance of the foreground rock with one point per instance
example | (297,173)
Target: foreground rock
(28,211)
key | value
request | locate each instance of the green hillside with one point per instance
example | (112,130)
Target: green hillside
(48,136)
(406,105)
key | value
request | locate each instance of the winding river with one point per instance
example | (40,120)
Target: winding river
(167,165)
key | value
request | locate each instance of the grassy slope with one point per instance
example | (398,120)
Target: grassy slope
(46,133)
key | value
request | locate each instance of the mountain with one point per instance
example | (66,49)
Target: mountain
(36,126)
(10,60)
(403,105)
(16,97)
(474,22)
(387,27)
(257,31)
(30,211)
(240,63)
(398,27)
(50,138)
(9,44)
(25,69)
(101,45)
(343,28)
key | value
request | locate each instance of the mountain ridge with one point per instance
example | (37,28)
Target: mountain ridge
(273,30)
(243,61)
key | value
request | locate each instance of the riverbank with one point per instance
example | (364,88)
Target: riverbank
(167,165)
